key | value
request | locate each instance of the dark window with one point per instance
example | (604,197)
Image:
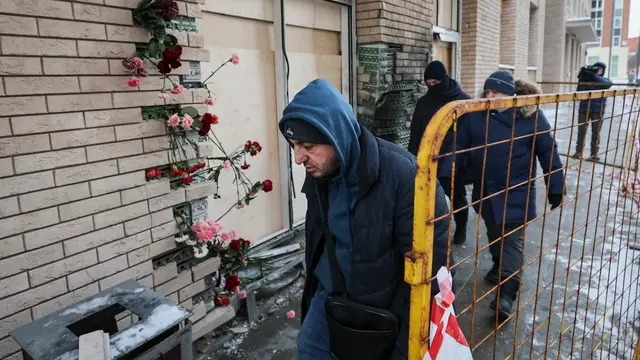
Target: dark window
(616,32)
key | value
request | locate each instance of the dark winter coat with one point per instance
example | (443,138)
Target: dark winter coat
(427,106)
(593,105)
(471,133)
(369,205)
(381,228)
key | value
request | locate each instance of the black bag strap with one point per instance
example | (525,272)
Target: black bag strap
(337,278)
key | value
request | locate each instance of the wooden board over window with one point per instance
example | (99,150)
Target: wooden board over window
(443,51)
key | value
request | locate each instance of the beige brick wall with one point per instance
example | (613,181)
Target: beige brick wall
(515,39)
(554,46)
(76,213)
(480,42)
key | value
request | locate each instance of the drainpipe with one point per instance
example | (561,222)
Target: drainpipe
(613,16)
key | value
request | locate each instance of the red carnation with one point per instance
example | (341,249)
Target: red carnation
(225,301)
(234,244)
(208,119)
(267,185)
(245,242)
(172,54)
(232,283)
(163,67)
(252,147)
(244,167)
(187,180)
(168,9)
(204,130)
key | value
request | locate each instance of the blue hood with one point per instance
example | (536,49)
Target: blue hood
(601,64)
(321,105)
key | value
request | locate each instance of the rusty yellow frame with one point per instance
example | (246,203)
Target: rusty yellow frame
(418,261)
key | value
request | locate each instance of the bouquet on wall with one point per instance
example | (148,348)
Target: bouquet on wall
(187,131)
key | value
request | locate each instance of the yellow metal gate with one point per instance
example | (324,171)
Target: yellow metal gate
(579,286)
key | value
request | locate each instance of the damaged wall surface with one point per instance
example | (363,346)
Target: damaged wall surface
(394,46)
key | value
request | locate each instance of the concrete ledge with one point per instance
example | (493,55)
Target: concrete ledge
(213,320)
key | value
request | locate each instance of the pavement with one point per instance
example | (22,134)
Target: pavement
(580,286)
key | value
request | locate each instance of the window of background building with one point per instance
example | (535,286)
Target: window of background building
(616,41)
(614,66)
(446,37)
(447,11)
(592,60)
(617,23)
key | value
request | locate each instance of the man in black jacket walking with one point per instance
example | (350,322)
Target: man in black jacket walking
(591,110)
(366,185)
(442,90)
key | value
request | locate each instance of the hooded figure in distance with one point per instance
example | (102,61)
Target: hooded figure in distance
(442,90)
(360,190)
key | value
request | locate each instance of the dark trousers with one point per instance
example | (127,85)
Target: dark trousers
(511,254)
(596,125)
(458,200)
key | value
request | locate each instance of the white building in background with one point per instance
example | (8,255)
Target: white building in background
(611,21)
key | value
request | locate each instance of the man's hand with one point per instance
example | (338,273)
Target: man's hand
(555,200)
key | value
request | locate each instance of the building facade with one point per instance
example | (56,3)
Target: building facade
(539,40)
(614,47)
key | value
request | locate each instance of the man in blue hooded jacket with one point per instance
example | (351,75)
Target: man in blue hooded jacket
(368,185)
(591,109)
(504,174)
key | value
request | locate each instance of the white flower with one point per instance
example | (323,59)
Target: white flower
(182,238)
(200,251)
(191,242)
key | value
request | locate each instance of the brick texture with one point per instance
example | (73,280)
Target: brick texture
(76,212)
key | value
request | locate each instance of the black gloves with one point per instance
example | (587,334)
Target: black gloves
(555,200)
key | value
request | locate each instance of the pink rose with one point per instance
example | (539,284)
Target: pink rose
(138,62)
(240,206)
(242,294)
(133,82)
(187,121)
(198,225)
(177,90)
(174,120)
(209,101)
(205,235)
(163,96)
(235,59)
(291,314)
(227,164)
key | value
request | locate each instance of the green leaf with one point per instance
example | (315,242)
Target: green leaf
(154,50)
(171,39)
(189,110)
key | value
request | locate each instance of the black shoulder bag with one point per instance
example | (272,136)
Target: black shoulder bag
(356,331)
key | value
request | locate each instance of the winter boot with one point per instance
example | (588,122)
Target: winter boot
(460,236)
(492,277)
(505,309)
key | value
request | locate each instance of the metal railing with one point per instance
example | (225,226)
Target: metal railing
(578,284)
